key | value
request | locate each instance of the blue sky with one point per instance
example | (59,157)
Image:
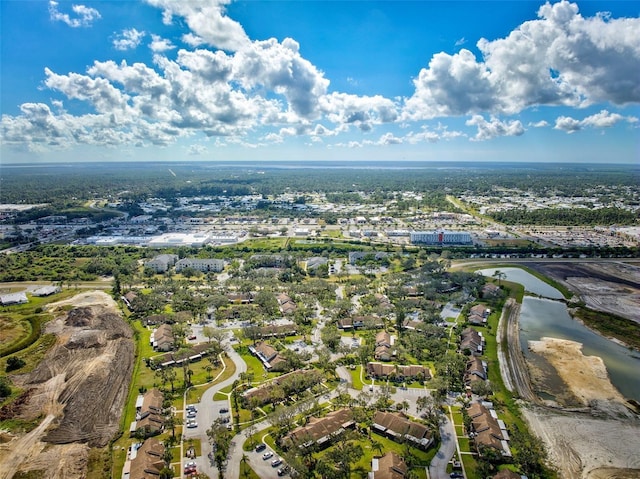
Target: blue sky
(337,80)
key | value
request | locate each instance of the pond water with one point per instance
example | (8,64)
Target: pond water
(530,282)
(544,317)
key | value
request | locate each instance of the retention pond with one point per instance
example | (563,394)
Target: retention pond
(547,317)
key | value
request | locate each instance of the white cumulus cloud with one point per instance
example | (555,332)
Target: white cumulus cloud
(561,58)
(84,16)
(159,44)
(602,119)
(494,128)
(128,39)
(207,21)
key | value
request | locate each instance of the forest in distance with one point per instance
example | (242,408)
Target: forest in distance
(46,183)
(52,183)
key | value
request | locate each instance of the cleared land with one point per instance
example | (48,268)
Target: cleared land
(586,377)
(79,390)
(608,286)
(601,441)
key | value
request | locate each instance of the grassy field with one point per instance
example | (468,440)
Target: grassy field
(370,450)
(195,393)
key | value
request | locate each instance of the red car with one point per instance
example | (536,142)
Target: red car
(190,467)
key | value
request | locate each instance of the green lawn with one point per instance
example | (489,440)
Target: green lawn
(255,367)
(465,444)
(246,472)
(195,393)
(470,466)
(355,377)
(364,463)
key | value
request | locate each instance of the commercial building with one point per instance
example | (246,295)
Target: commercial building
(439,237)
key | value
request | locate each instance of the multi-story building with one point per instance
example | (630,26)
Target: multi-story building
(440,237)
(204,265)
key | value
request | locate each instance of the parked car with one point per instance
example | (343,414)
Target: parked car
(192,337)
(267,455)
(191,424)
(283,470)
(191,414)
(261,447)
(224,410)
(456,475)
(190,467)
(276,462)
(191,407)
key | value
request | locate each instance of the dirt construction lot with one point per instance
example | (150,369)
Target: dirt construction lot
(598,437)
(79,390)
(601,442)
(609,286)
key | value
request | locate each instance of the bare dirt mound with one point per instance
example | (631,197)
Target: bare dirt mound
(584,447)
(586,377)
(613,473)
(611,287)
(80,388)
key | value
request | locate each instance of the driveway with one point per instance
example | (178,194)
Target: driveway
(209,411)
(438,466)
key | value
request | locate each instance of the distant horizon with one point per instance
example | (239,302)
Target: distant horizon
(258,80)
(401,164)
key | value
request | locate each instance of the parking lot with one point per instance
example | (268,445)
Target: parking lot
(204,416)
(262,463)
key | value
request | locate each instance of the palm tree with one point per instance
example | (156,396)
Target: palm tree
(244,465)
(377,446)
(500,275)
(167,455)
(170,421)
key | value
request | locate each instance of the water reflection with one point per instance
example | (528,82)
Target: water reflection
(529,281)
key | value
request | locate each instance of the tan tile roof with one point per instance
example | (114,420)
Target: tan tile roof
(390,466)
(401,425)
(148,462)
(320,428)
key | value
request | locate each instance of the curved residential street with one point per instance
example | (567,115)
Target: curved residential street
(209,411)
(449,443)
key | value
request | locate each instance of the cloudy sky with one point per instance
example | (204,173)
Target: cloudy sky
(336,80)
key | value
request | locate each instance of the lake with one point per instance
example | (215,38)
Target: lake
(540,317)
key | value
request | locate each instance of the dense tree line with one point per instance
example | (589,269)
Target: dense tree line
(136,181)
(566,216)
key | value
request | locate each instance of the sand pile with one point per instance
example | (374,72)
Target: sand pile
(585,376)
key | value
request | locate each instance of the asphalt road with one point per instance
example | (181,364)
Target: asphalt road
(438,467)
(208,411)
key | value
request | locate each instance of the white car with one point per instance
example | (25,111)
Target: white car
(191,424)
(267,455)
